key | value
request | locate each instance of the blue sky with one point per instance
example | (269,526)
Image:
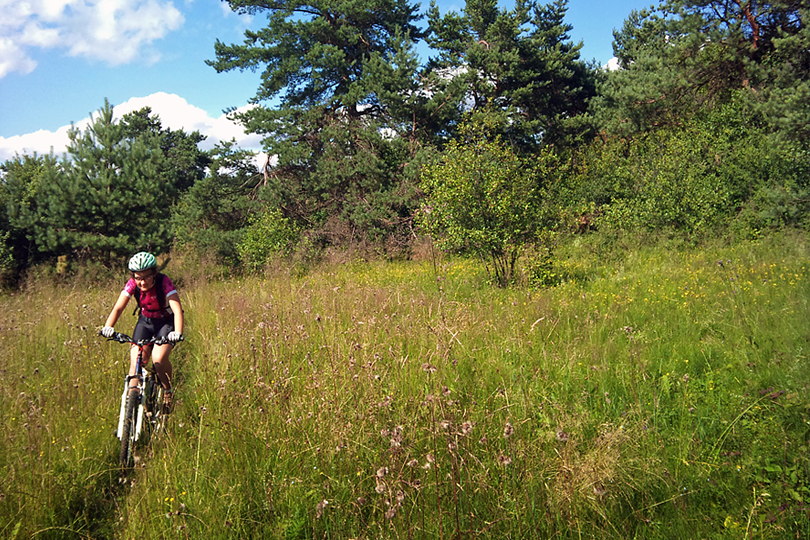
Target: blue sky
(59,60)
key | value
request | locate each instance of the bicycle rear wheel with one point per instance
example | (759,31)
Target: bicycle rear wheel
(126,456)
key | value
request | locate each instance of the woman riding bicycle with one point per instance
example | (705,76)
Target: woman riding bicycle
(161,317)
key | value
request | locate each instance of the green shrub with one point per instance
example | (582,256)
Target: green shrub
(269,235)
(692,179)
(483,199)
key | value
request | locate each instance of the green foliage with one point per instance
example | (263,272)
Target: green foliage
(267,236)
(519,60)
(718,170)
(184,162)
(482,198)
(316,53)
(108,199)
(785,78)
(354,190)
(688,55)
(7,262)
(781,196)
(110,195)
(20,204)
(210,218)
(345,77)
(543,266)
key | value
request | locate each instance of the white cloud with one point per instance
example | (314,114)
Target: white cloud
(13,58)
(114,31)
(612,65)
(40,142)
(174,112)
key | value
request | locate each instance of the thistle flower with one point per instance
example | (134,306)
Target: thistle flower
(508,430)
(429,461)
(466,428)
(396,437)
(320,507)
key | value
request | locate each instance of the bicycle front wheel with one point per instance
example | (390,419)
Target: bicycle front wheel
(126,456)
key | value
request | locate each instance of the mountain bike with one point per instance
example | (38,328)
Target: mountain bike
(141,413)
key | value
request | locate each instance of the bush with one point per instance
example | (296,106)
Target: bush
(485,200)
(693,179)
(269,235)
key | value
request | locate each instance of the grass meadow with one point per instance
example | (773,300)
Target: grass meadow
(660,392)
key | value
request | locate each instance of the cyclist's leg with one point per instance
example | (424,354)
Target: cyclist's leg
(144,329)
(133,366)
(163,366)
(160,354)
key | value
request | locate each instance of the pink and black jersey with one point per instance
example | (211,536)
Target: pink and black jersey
(150,306)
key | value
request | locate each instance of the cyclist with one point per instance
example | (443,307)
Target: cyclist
(161,317)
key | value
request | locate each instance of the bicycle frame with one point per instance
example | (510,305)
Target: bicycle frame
(146,377)
(148,398)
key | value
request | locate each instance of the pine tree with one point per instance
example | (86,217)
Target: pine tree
(210,217)
(520,60)
(692,55)
(114,190)
(21,179)
(185,163)
(336,105)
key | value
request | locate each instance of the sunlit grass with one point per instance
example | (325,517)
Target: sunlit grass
(663,393)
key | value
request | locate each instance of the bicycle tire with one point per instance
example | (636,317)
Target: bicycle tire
(127,452)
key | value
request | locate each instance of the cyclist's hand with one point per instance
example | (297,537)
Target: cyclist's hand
(174,336)
(108,331)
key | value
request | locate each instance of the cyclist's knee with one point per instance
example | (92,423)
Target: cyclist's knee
(160,359)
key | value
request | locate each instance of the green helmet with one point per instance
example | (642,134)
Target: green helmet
(142,261)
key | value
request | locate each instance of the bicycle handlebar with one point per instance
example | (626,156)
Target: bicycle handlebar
(123,338)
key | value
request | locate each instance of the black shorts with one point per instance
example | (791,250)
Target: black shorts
(147,328)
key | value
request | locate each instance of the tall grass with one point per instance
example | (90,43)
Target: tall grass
(663,394)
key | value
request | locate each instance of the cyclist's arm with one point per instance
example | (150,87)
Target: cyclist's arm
(177,309)
(118,308)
